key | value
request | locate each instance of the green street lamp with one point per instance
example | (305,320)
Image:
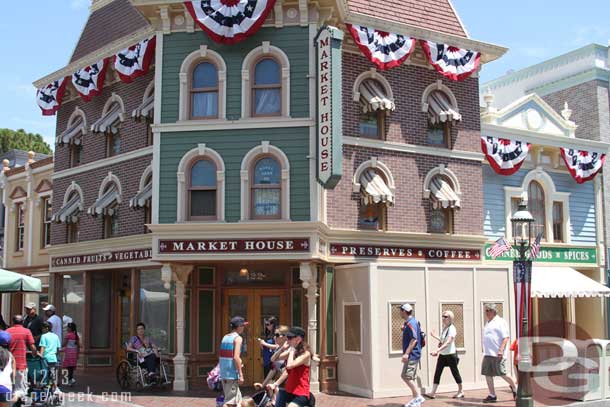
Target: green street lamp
(522,223)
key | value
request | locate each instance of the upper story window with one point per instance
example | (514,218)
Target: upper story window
(47,213)
(375,184)
(536,206)
(267,88)
(202,190)
(20,226)
(204,91)
(376,101)
(76,155)
(145,112)
(72,136)
(443,189)
(443,114)
(109,124)
(113,145)
(107,205)
(69,213)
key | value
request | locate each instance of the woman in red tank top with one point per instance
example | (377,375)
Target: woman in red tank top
(297,365)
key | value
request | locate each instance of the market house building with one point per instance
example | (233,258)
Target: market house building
(28,199)
(567,206)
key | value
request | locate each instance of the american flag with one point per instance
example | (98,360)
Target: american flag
(535,249)
(500,246)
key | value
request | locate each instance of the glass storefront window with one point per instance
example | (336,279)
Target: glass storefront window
(99,325)
(73,301)
(154,306)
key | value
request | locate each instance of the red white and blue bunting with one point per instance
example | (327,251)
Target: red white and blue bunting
(229,21)
(583,165)
(452,62)
(49,98)
(133,62)
(505,156)
(385,50)
(89,80)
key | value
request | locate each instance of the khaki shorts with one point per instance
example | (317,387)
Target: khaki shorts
(493,366)
(409,370)
(231,391)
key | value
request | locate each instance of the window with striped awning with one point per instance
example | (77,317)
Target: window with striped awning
(105,204)
(374,97)
(144,112)
(374,190)
(68,213)
(73,133)
(442,194)
(440,108)
(110,121)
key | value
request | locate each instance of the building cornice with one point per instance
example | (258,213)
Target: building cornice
(104,162)
(571,81)
(248,123)
(141,241)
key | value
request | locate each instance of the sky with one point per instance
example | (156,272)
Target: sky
(39,39)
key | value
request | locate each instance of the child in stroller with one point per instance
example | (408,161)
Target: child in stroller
(41,383)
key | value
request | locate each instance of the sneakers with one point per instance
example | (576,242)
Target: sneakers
(490,399)
(416,402)
(72,382)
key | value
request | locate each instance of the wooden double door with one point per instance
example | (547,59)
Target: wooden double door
(255,305)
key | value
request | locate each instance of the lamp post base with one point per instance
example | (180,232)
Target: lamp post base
(527,401)
(524,391)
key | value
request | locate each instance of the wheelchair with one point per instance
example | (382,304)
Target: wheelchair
(130,375)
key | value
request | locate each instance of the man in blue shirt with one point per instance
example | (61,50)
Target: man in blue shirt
(411,353)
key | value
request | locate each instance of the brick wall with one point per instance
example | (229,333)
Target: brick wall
(408,124)
(411,211)
(133,134)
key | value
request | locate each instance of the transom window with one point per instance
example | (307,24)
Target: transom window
(47,213)
(267,88)
(204,91)
(202,190)
(20,227)
(266,189)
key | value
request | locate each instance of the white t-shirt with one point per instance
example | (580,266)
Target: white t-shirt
(493,334)
(446,333)
(56,326)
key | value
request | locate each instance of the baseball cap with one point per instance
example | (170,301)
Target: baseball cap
(406,307)
(296,331)
(49,307)
(30,305)
(5,338)
(238,321)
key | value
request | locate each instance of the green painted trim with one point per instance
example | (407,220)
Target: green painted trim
(571,81)
(206,321)
(547,65)
(172,317)
(572,255)
(330,310)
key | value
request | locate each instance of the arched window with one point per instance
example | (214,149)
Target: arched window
(267,88)
(111,214)
(442,188)
(443,114)
(266,189)
(204,91)
(202,190)
(113,115)
(536,206)
(73,227)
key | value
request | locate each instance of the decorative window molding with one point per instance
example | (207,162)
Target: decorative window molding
(444,171)
(551,195)
(147,173)
(438,85)
(114,98)
(200,152)
(74,187)
(144,112)
(18,193)
(78,112)
(110,178)
(194,58)
(247,72)
(378,166)
(371,74)
(107,123)
(44,186)
(247,164)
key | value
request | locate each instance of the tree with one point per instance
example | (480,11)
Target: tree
(19,139)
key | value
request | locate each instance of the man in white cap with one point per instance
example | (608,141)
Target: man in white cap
(56,322)
(32,321)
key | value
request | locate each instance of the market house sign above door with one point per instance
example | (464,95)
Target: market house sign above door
(358,250)
(578,255)
(234,246)
(330,154)
(102,258)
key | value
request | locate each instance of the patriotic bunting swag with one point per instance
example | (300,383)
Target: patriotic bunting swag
(504,156)
(89,80)
(49,98)
(229,21)
(133,62)
(583,165)
(386,50)
(454,63)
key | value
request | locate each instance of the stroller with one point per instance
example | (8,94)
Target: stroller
(42,388)
(263,399)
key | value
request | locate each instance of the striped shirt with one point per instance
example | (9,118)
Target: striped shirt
(227,364)
(21,339)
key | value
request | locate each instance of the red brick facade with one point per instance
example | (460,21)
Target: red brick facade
(133,137)
(408,125)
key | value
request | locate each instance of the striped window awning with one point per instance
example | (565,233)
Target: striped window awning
(69,212)
(374,190)
(440,108)
(142,198)
(105,204)
(144,112)
(109,122)
(442,194)
(373,97)
(72,135)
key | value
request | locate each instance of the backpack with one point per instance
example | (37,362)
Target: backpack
(422,335)
(213,379)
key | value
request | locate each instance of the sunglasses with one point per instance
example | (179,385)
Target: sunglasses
(278,335)
(445,316)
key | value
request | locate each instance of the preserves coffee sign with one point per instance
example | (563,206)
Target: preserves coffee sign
(102,258)
(221,246)
(330,155)
(358,250)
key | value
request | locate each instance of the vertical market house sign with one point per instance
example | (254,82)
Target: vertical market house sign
(330,155)
(578,255)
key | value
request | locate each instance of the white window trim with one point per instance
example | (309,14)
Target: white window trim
(111,179)
(201,54)
(246,164)
(371,74)
(550,195)
(203,152)
(438,85)
(377,165)
(78,112)
(265,49)
(145,174)
(442,170)
(74,187)
(351,352)
(441,303)
(114,98)
(392,304)
(21,203)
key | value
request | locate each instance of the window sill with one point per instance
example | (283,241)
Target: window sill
(18,253)
(201,221)
(240,123)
